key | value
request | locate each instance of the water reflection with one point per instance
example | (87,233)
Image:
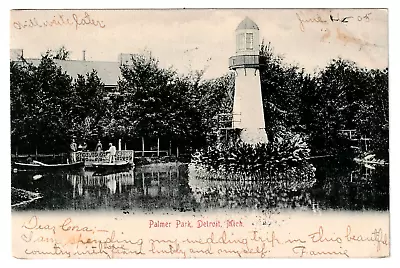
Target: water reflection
(110,184)
(352,186)
(147,182)
(144,188)
(248,195)
(338,185)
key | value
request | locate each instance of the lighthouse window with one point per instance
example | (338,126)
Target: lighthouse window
(249,40)
(240,41)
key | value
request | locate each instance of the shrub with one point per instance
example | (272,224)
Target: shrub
(284,158)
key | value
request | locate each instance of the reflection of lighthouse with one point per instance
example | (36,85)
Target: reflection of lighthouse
(248,112)
(112,183)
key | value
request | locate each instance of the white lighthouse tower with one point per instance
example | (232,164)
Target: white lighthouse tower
(248,111)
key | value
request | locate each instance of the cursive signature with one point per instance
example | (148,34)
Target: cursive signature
(303,251)
(60,20)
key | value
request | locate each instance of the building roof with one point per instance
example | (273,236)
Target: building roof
(247,23)
(108,72)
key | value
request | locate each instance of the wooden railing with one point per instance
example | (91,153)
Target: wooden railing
(90,157)
(152,153)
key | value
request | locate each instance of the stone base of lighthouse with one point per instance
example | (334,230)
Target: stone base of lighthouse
(248,111)
(253,135)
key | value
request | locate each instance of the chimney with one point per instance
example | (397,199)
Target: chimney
(84,55)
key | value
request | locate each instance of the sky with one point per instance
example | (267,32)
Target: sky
(195,39)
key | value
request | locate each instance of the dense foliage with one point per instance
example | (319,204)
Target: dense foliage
(285,150)
(40,105)
(48,107)
(285,158)
(342,96)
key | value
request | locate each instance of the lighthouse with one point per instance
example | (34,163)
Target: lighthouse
(248,111)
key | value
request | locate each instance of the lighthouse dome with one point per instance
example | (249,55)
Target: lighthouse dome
(247,24)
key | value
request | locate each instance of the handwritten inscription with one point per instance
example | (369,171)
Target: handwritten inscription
(346,19)
(70,239)
(33,224)
(313,19)
(60,20)
(334,28)
(324,19)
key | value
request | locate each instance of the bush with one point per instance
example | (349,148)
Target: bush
(285,158)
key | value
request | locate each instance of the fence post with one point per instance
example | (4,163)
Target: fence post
(158,147)
(142,146)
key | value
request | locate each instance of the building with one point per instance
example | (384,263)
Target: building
(248,111)
(108,71)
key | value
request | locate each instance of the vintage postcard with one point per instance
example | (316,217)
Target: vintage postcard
(199,133)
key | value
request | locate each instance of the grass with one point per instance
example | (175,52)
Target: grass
(21,197)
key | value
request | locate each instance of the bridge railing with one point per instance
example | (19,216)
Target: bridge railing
(93,156)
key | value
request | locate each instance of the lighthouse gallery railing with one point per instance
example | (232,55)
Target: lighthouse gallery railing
(246,61)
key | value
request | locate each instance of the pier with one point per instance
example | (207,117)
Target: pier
(130,156)
(91,157)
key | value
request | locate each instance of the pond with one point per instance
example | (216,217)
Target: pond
(170,188)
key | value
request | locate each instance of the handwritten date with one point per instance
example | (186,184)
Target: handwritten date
(318,19)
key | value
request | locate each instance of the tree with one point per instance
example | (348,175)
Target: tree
(159,103)
(372,117)
(211,98)
(22,106)
(61,54)
(341,96)
(281,87)
(48,107)
(89,107)
(148,97)
(40,105)
(348,97)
